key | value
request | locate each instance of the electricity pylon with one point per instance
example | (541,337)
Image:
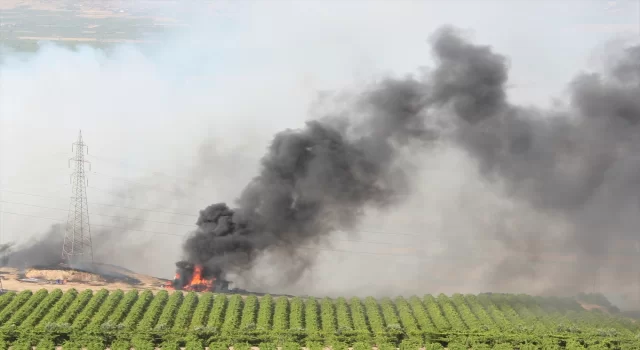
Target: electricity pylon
(76,248)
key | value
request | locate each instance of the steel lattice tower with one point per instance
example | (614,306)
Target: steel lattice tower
(77,240)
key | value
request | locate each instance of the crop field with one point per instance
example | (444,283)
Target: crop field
(25,24)
(142,320)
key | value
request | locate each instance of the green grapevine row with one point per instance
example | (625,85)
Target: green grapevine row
(177,318)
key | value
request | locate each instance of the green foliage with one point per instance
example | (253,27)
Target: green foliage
(339,346)
(233,315)
(343,316)
(218,346)
(249,313)
(281,315)
(76,307)
(267,346)
(170,345)
(407,320)
(142,342)
(136,313)
(433,346)
(358,316)
(34,317)
(290,346)
(361,346)
(22,345)
(72,345)
(216,316)
(410,344)
(146,321)
(328,317)
(194,344)
(6,298)
(104,311)
(58,309)
(242,346)
(169,311)
(573,344)
(85,316)
(14,305)
(528,346)
(449,312)
(94,344)
(201,313)
(549,344)
(265,313)
(121,344)
(28,308)
(46,344)
(296,316)
(123,308)
(456,346)
(314,346)
(152,315)
(386,346)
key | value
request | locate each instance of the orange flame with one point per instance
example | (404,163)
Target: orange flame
(198,283)
(169,284)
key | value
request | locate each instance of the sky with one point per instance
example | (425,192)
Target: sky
(176,126)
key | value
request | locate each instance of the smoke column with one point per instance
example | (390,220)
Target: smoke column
(315,180)
(576,164)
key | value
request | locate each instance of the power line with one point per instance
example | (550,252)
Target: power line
(387,233)
(546,261)
(105,226)
(156,187)
(102,204)
(116,194)
(110,216)
(179,235)
(153,172)
(150,173)
(174,213)
(173,223)
(105,191)
(192,215)
(368,253)
(183,235)
(187,225)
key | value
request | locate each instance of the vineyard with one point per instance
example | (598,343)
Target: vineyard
(142,320)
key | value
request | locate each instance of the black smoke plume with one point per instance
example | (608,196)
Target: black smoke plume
(313,181)
(578,163)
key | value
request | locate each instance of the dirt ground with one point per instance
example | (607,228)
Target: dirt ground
(10,281)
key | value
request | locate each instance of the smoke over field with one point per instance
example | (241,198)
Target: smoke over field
(444,180)
(576,163)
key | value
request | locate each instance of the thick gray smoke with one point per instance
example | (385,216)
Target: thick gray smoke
(111,245)
(313,181)
(44,251)
(578,164)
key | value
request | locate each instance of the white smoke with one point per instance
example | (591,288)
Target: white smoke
(231,80)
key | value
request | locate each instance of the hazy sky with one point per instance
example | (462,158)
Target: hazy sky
(238,74)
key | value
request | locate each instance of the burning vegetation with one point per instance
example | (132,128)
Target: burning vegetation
(194,277)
